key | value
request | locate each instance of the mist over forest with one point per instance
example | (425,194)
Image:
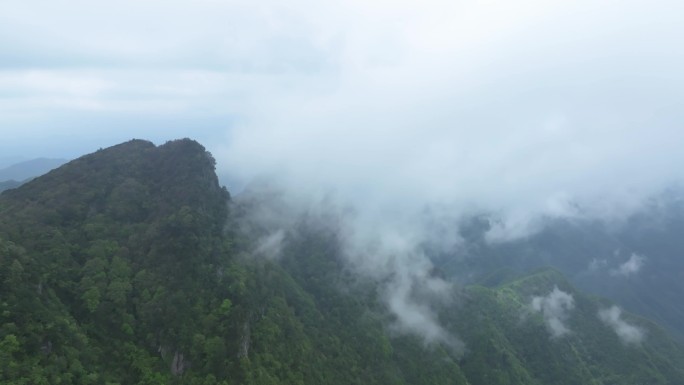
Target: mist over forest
(358,192)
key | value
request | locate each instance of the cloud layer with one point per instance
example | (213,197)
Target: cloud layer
(526,110)
(525,106)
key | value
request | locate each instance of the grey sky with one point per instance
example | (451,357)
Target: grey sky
(528,104)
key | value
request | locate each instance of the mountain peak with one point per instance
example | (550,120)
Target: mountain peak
(177,173)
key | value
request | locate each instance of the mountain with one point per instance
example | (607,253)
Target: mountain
(132,265)
(9,184)
(636,262)
(10,160)
(29,168)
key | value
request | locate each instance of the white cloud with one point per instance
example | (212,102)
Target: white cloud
(270,246)
(523,107)
(627,333)
(388,252)
(631,267)
(403,294)
(555,308)
(519,109)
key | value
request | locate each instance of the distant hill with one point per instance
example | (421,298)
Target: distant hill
(6,161)
(638,263)
(29,169)
(8,184)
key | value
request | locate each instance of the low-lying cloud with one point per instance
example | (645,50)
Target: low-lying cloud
(520,110)
(555,308)
(390,254)
(631,267)
(628,333)
(271,245)
(383,252)
(517,110)
(410,294)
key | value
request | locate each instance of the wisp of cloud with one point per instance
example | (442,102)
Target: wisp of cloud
(628,333)
(555,308)
(632,266)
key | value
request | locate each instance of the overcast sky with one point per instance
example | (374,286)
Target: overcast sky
(523,105)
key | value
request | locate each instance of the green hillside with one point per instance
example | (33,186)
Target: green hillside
(129,266)
(512,343)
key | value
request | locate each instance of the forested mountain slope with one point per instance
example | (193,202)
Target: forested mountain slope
(637,262)
(129,266)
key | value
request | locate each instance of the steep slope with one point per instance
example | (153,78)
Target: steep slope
(108,256)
